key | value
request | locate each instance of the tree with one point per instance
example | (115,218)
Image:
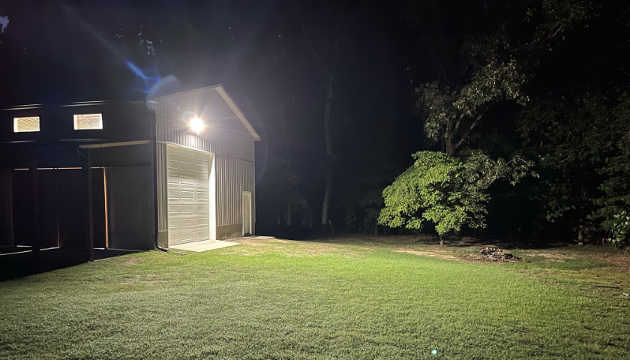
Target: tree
(573,126)
(571,137)
(447,191)
(614,205)
(328,71)
(493,68)
(451,189)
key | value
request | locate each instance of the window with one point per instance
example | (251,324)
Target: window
(88,121)
(26,124)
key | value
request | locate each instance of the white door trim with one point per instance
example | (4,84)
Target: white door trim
(247,194)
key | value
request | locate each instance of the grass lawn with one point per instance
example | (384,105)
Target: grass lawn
(354,298)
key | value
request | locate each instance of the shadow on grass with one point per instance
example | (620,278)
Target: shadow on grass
(453,241)
(542,263)
(19,263)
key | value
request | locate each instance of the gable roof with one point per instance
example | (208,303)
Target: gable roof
(230,103)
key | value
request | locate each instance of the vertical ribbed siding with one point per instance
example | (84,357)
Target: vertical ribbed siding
(234,153)
(233,177)
(162,188)
(171,129)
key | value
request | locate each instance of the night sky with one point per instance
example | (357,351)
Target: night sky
(272,57)
(59,52)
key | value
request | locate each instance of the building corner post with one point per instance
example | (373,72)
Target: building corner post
(90,212)
(37,239)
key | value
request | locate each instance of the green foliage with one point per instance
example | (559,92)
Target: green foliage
(446,110)
(363,199)
(615,203)
(582,146)
(494,68)
(446,190)
(571,119)
(277,189)
(561,16)
(571,138)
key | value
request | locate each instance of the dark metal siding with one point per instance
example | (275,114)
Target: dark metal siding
(121,122)
(130,207)
(6,209)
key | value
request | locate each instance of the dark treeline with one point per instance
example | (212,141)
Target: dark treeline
(527,100)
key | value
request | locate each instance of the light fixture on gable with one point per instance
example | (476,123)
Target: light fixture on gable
(193,122)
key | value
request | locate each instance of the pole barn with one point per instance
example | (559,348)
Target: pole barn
(137,176)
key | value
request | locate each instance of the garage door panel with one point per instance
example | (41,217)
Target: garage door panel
(186,166)
(201,156)
(187,236)
(173,223)
(188,195)
(187,208)
(185,180)
(172,164)
(203,233)
(181,152)
(201,168)
(187,222)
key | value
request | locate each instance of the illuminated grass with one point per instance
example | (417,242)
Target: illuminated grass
(297,300)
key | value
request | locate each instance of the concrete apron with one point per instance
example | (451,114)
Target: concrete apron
(201,246)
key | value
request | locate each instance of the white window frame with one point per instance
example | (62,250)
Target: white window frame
(76,116)
(17,119)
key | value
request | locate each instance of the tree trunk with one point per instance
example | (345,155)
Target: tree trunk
(330,155)
(450,147)
(330,77)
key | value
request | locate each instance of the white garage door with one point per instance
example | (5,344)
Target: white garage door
(188,204)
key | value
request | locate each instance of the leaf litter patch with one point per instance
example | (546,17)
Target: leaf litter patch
(492,254)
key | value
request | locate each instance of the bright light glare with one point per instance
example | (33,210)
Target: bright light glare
(196,125)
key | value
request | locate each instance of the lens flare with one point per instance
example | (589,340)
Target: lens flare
(150,82)
(196,125)
(146,80)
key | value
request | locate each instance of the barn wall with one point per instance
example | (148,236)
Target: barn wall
(121,122)
(6,209)
(162,197)
(130,207)
(233,141)
(230,142)
(233,177)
